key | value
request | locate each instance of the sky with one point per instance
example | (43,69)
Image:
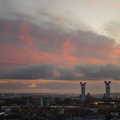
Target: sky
(50,46)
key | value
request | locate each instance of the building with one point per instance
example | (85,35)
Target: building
(45,102)
(27,100)
(107,85)
(83,91)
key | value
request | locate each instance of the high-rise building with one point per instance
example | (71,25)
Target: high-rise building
(26,100)
(107,84)
(82,91)
(45,102)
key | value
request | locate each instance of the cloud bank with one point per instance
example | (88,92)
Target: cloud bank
(24,43)
(55,72)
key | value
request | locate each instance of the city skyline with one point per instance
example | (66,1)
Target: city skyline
(51,46)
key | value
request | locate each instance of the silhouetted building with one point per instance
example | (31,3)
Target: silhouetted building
(89,97)
(26,100)
(82,91)
(45,102)
(107,89)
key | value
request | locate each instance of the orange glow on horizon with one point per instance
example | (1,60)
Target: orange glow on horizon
(43,81)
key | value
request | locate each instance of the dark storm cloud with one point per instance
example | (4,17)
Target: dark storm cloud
(40,71)
(99,71)
(54,72)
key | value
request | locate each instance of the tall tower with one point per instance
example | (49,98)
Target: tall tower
(82,91)
(107,89)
